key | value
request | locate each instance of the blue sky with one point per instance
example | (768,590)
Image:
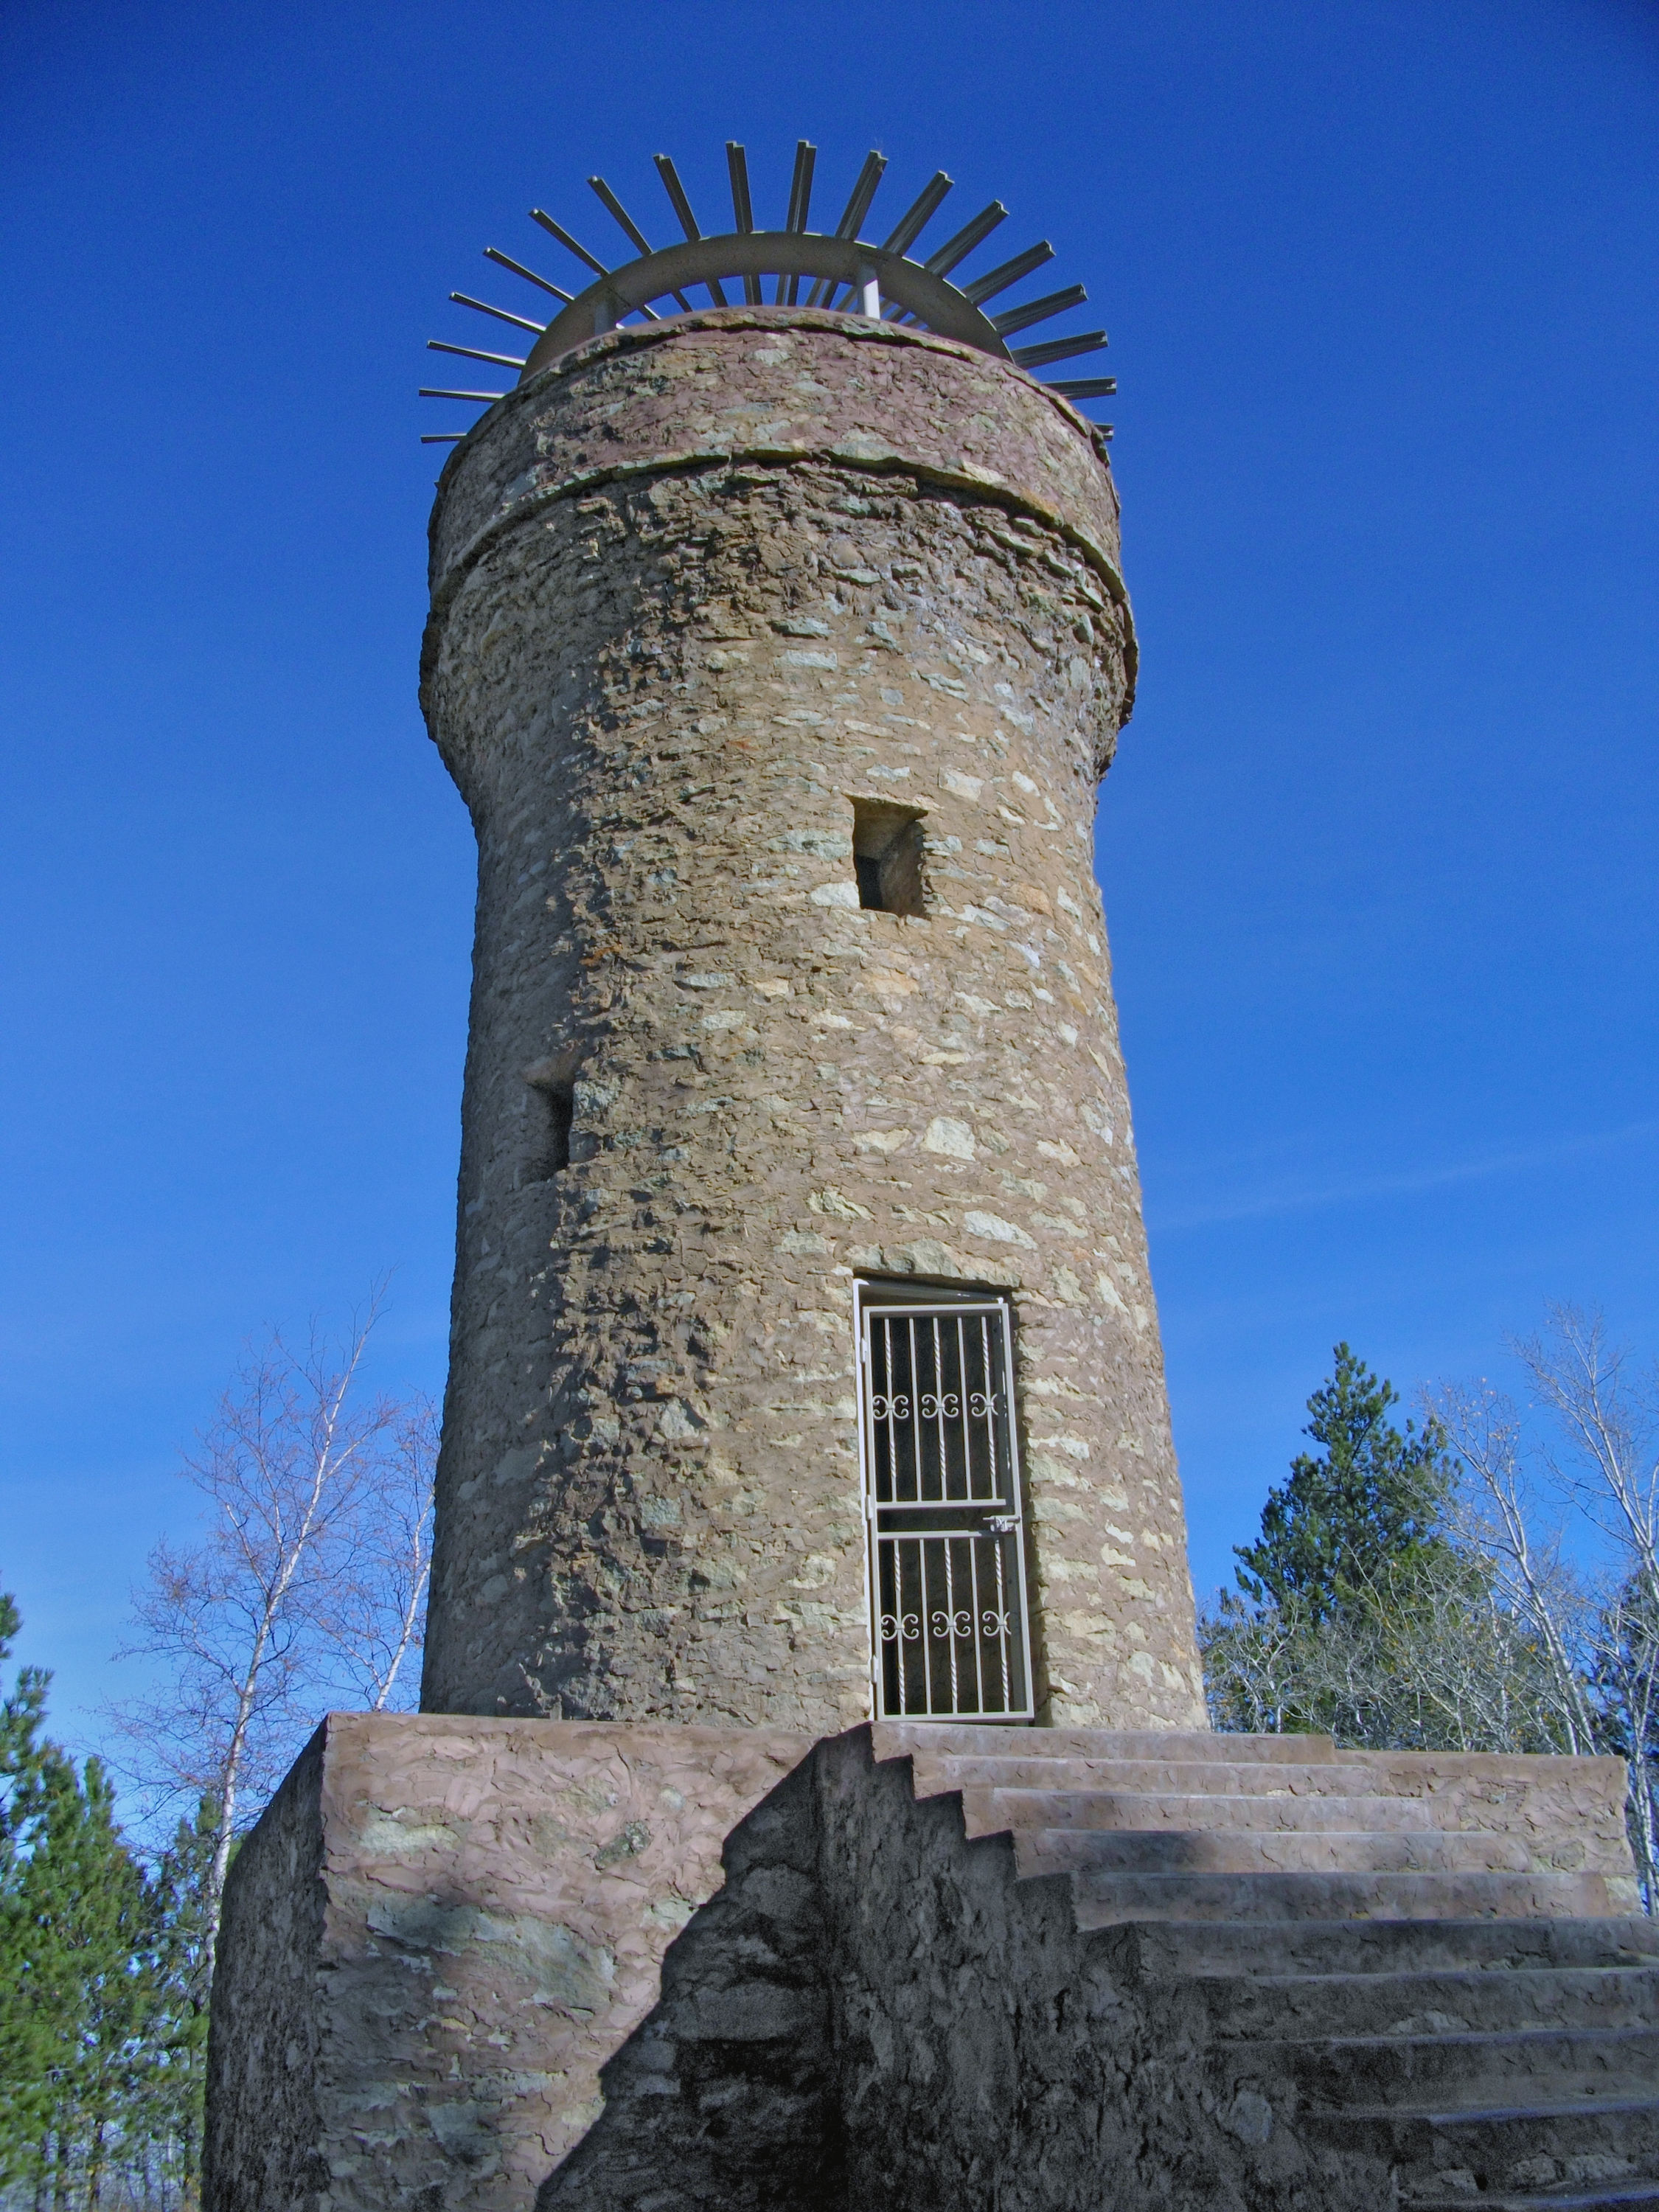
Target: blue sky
(1378,850)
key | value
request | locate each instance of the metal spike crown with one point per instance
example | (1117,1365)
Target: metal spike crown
(842,271)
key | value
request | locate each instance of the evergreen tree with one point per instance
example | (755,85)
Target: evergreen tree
(102,1980)
(1365,1511)
(182,1964)
(24,2038)
(84,1995)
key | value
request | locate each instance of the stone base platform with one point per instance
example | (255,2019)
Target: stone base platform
(471,1963)
(437,1935)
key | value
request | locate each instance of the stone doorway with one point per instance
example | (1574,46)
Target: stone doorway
(943,1506)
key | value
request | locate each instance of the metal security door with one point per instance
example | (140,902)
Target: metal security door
(947,1558)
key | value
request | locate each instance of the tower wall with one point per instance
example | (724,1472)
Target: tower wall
(698,589)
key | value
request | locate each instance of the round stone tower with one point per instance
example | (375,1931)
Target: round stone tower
(778,651)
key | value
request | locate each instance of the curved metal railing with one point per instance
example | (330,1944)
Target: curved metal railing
(839,270)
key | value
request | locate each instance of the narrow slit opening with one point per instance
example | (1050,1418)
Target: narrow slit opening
(887,856)
(554,1110)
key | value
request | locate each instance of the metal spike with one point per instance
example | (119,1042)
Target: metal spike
(959,247)
(823,293)
(800,202)
(613,206)
(443,437)
(1038,311)
(682,207)
(1085,387)
(485,397)
(743,213)
(1008,272)
(864,192)
(506,261)
(920,214)
(608,200)
(737,163)
(676,191)
(569,244)
(800,185)
(1037,357)
(471,353)
(574,245)
(484,307)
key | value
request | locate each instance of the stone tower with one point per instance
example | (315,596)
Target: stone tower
(806,1401)
(778,651)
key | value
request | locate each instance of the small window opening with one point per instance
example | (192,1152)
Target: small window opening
(887,856)
(554,1108)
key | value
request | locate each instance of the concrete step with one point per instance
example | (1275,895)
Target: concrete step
(1242,1850)
(990,1810)
(1609,2198)
(1403,1768)
(1102,1898)
(1392,1772)
(1582,2143)
(1605,2196)
(1451,2071)
(1283,2006)
(1445,1795)
(939,1739)
(1433,1963)
(1288,1950)
(1189,1777)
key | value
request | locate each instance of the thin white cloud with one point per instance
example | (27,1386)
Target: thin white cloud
(1291,1198)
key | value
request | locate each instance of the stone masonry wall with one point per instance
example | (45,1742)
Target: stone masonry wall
(693,596)
(469,1963)
(440,1930)
(262,2143)
(472,1964)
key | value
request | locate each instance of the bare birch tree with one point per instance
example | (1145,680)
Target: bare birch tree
(307,1585)
(370,1609)
(1496,1515)
(1605,1414)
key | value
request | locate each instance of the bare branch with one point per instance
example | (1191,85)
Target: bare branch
(308,1581)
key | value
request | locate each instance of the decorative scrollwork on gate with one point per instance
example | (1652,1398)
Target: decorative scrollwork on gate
(959,1623)
(948,1557)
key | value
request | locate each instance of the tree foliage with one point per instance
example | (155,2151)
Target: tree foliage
(1422,1591)
(102,2027)
(1367,1507)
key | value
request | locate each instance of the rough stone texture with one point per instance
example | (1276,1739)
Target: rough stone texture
(705,388)
(436,1934)
(992,2049)
(515,1962)
(264,2139)
(987,2045)
(695,591)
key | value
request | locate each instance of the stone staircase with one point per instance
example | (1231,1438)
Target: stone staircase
(1428,1972)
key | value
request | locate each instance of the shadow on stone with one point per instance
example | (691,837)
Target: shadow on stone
(724,2094)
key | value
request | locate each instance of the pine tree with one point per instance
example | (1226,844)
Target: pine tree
(181,1954)
(1364,1512)
(25,2036)
(83,1998)
(101,1989)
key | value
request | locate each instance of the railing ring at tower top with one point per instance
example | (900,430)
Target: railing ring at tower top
(841,273)
(916,292)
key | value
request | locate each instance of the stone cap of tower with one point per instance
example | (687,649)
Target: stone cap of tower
(697,390)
